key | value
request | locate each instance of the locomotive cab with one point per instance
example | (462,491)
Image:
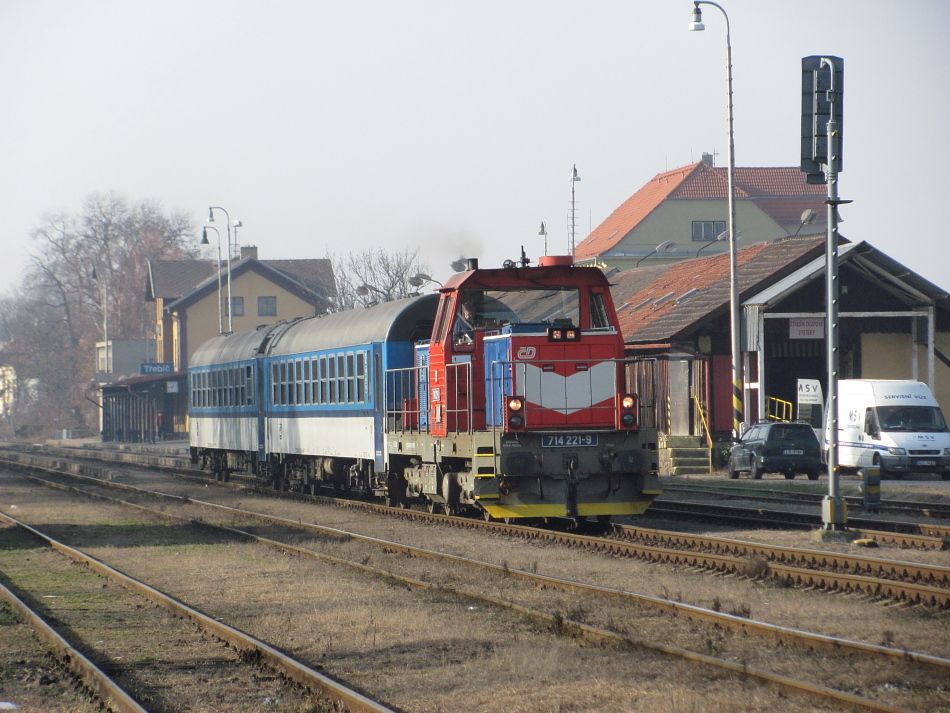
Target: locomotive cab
(525,400)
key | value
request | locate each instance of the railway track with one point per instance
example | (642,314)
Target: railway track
(905,534)
(86,674)
(891,580)
(682,612)
(168,640)
(909,507)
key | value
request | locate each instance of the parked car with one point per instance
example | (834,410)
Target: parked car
(776,447)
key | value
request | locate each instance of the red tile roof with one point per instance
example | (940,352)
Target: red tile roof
(780,191)
(660,303)
(633,210)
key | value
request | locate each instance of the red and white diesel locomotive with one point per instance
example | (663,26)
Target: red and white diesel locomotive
(506,394)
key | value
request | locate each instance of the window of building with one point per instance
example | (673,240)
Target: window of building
(705,231)
(237,307)
(267,306)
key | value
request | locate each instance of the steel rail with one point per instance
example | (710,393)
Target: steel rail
(874,566)
(915,534)
(924,509)
(557,622)
(722,563)
(90,676)
(241,641)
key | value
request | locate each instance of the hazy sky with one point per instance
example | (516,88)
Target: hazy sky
(452,126)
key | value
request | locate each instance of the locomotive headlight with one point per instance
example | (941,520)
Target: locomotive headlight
(627,420)
(627,402)
(515,421)
(515,404)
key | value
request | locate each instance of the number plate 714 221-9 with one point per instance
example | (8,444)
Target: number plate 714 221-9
(569,440)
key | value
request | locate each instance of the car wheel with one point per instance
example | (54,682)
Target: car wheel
(789,475)
(754,471)
(813,474)
(733,472)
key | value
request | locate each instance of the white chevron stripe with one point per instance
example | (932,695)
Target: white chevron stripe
(568,394)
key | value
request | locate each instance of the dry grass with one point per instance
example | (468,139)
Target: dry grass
(415,646)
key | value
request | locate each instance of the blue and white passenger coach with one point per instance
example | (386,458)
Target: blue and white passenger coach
(306,402)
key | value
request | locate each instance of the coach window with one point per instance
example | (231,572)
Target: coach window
(350,379)
(275,383)
(283,383)
(251,391)
(341,395)
(229,374)
(318,376)
(299,372)
(331,380)
(360,377)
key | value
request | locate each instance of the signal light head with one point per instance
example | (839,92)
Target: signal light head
(627,402)
(515,404)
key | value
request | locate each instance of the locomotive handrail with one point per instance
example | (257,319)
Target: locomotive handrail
(403,408)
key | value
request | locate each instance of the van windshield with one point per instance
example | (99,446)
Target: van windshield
(910,418)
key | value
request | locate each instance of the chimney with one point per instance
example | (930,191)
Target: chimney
(708,159)
(248,251)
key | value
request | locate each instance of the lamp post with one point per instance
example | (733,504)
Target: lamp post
(574,179)
(204,241)
(211,210)
(104,287)
(737,388)
(662,247)
(237,224)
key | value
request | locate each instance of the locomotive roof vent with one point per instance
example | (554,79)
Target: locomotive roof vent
(555,260)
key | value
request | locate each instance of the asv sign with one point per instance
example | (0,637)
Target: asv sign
(525,353)
(809,392)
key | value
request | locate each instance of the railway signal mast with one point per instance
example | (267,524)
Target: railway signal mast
(822,126)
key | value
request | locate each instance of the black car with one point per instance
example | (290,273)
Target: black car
(776,447)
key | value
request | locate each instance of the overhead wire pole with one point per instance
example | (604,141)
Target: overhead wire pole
(574,179)
(737,381)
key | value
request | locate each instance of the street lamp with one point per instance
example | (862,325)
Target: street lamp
(718,239)
(737,387)
(211,210)
(204,241)
(574,179)
(663,247)
(543,232)
(420,278)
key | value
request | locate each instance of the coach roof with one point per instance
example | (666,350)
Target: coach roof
(227,348)
(399,321)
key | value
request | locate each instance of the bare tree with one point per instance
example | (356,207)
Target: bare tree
(84,267)
(383,276)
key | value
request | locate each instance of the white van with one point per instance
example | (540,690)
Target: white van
(896,424)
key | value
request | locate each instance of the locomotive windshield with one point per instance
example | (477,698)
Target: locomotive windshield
(491,309)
